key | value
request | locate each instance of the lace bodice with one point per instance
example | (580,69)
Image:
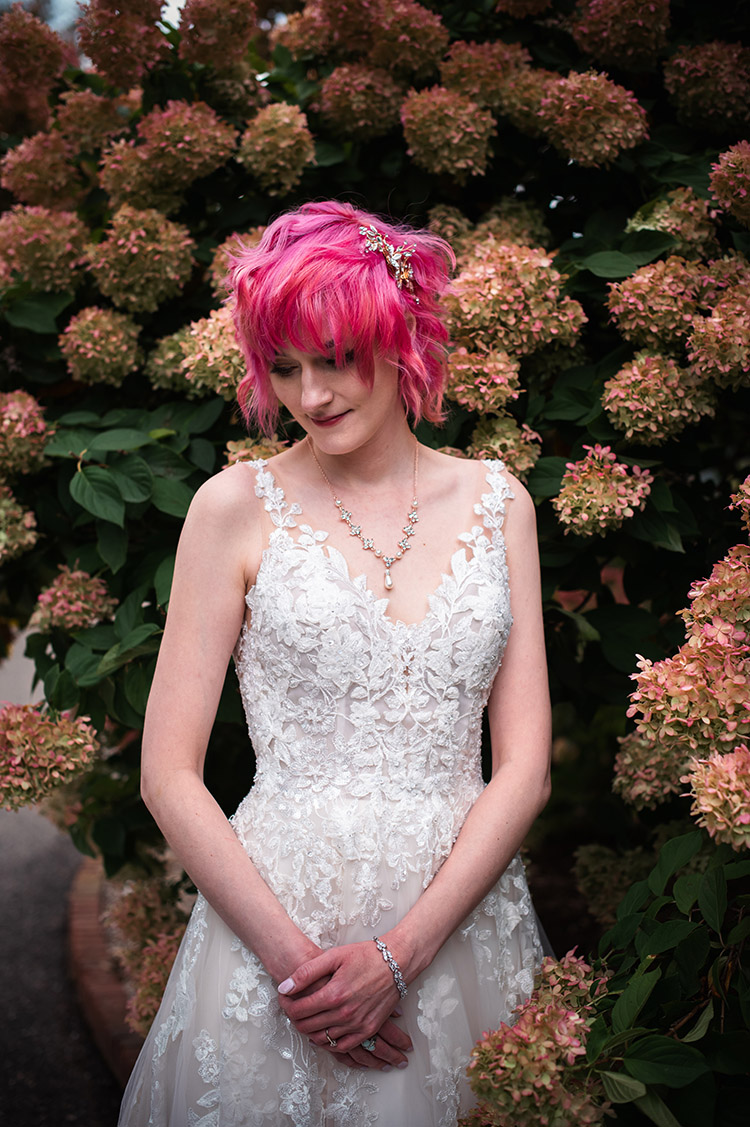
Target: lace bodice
(366,730)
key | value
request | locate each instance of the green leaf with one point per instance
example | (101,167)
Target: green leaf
(133,478)
(712,898)
(666,936)
(172,497)
(633,899)
(702,1024)
(202,454)
(83,665)
(737,869)
(328,153)
(138,684)
(546,476)
(166,463)
(203,417)
(658,1059)
(112,545)
(69,442)
(610,264)
(94,489)
(622,933)
(673,855)
(99,637)
(139,641)
(122,438)
(644,246)
(39,314)
(163,580)
(632,1000)
(661,496)
(621,1088)
(685,891)
(739,932)
(596,1039)
(657,1111)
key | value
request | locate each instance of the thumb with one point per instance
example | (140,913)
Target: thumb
(308,972)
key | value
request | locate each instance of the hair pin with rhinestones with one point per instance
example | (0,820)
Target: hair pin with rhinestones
(397,258)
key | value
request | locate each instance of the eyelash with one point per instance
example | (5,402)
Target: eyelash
(330,361)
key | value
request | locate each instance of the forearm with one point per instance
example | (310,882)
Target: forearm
(208,848)
(489,839)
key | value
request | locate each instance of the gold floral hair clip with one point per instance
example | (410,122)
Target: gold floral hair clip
(397,258)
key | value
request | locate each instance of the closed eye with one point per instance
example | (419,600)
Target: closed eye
(282,370)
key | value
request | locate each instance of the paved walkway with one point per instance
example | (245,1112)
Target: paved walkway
(51,1073)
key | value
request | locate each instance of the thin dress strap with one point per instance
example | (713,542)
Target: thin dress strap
(275,503)
(491,506)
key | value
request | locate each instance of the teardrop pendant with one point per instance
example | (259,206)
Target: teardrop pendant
(388,581)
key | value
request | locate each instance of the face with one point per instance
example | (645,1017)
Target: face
(339,411)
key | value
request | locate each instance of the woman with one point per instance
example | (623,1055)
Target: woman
(361,582)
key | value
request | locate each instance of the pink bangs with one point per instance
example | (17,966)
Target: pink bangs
(310,284)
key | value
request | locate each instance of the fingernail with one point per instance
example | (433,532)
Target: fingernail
(387,1068)
(410,1049)
(402,1064)
(286,986)
(398,1011)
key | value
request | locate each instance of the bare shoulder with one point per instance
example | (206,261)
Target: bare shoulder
(471,474)
(228,495)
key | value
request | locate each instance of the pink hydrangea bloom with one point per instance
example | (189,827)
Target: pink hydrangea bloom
(276,147)
(23,433)
(450,223)
(41,171)
(598,493)
(510,220)
(646,773)
(710,85)
(683,215)
(150,978)
(699,700)
(32,57)
(17,526)
(447,132)
(655,305)
(177,145)
(720,789)
(652,398)
(730,181)
(721,603)
(361,101)
(741,500)
(88,120)
(39,752)
(520,98)
(218,271)
(73,601)
(123,41)
(142,260)
(164,365)
(590,119)
(484,381)
(510,297)
(621,33)
(499,436)
(213,359)
(216,32)
(100,346)
(250,449)
(481,71)
(406,37)
(42,247)
(534,1071)
(719,345)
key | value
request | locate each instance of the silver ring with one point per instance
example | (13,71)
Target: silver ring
(331,1040)
(369,1044)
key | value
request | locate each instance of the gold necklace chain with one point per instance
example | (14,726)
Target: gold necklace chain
(356,530)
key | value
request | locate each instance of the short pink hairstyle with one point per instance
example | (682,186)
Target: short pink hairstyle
(309,283)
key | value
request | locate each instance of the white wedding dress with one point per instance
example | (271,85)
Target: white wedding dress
(367,737)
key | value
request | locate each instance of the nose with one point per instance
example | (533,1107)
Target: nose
(315,390)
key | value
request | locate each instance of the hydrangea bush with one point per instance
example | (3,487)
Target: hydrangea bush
(588,161)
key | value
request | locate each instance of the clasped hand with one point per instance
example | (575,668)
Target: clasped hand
(348,991)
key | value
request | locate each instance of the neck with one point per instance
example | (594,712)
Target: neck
(389,457)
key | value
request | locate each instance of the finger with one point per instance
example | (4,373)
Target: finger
(309,972)
(383,1056)
(396,1036)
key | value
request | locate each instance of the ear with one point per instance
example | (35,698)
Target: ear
(411,322)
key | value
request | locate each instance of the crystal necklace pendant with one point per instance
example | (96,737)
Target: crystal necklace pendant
(367,542)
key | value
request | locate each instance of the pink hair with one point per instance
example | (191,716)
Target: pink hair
(310,284)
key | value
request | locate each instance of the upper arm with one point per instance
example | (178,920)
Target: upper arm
(519,707)
(219,541)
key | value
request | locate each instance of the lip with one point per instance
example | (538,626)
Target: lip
(327,420)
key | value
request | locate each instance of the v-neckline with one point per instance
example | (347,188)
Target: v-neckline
(359,582)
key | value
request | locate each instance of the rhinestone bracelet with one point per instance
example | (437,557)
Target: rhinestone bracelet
(393,966)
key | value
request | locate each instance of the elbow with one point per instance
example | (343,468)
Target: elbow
(545,793)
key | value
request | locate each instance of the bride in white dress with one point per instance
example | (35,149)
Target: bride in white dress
(364,915)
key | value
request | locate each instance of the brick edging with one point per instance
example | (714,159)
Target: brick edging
(100,992)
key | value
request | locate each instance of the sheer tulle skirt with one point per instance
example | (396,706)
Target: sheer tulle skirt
(222,1054)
